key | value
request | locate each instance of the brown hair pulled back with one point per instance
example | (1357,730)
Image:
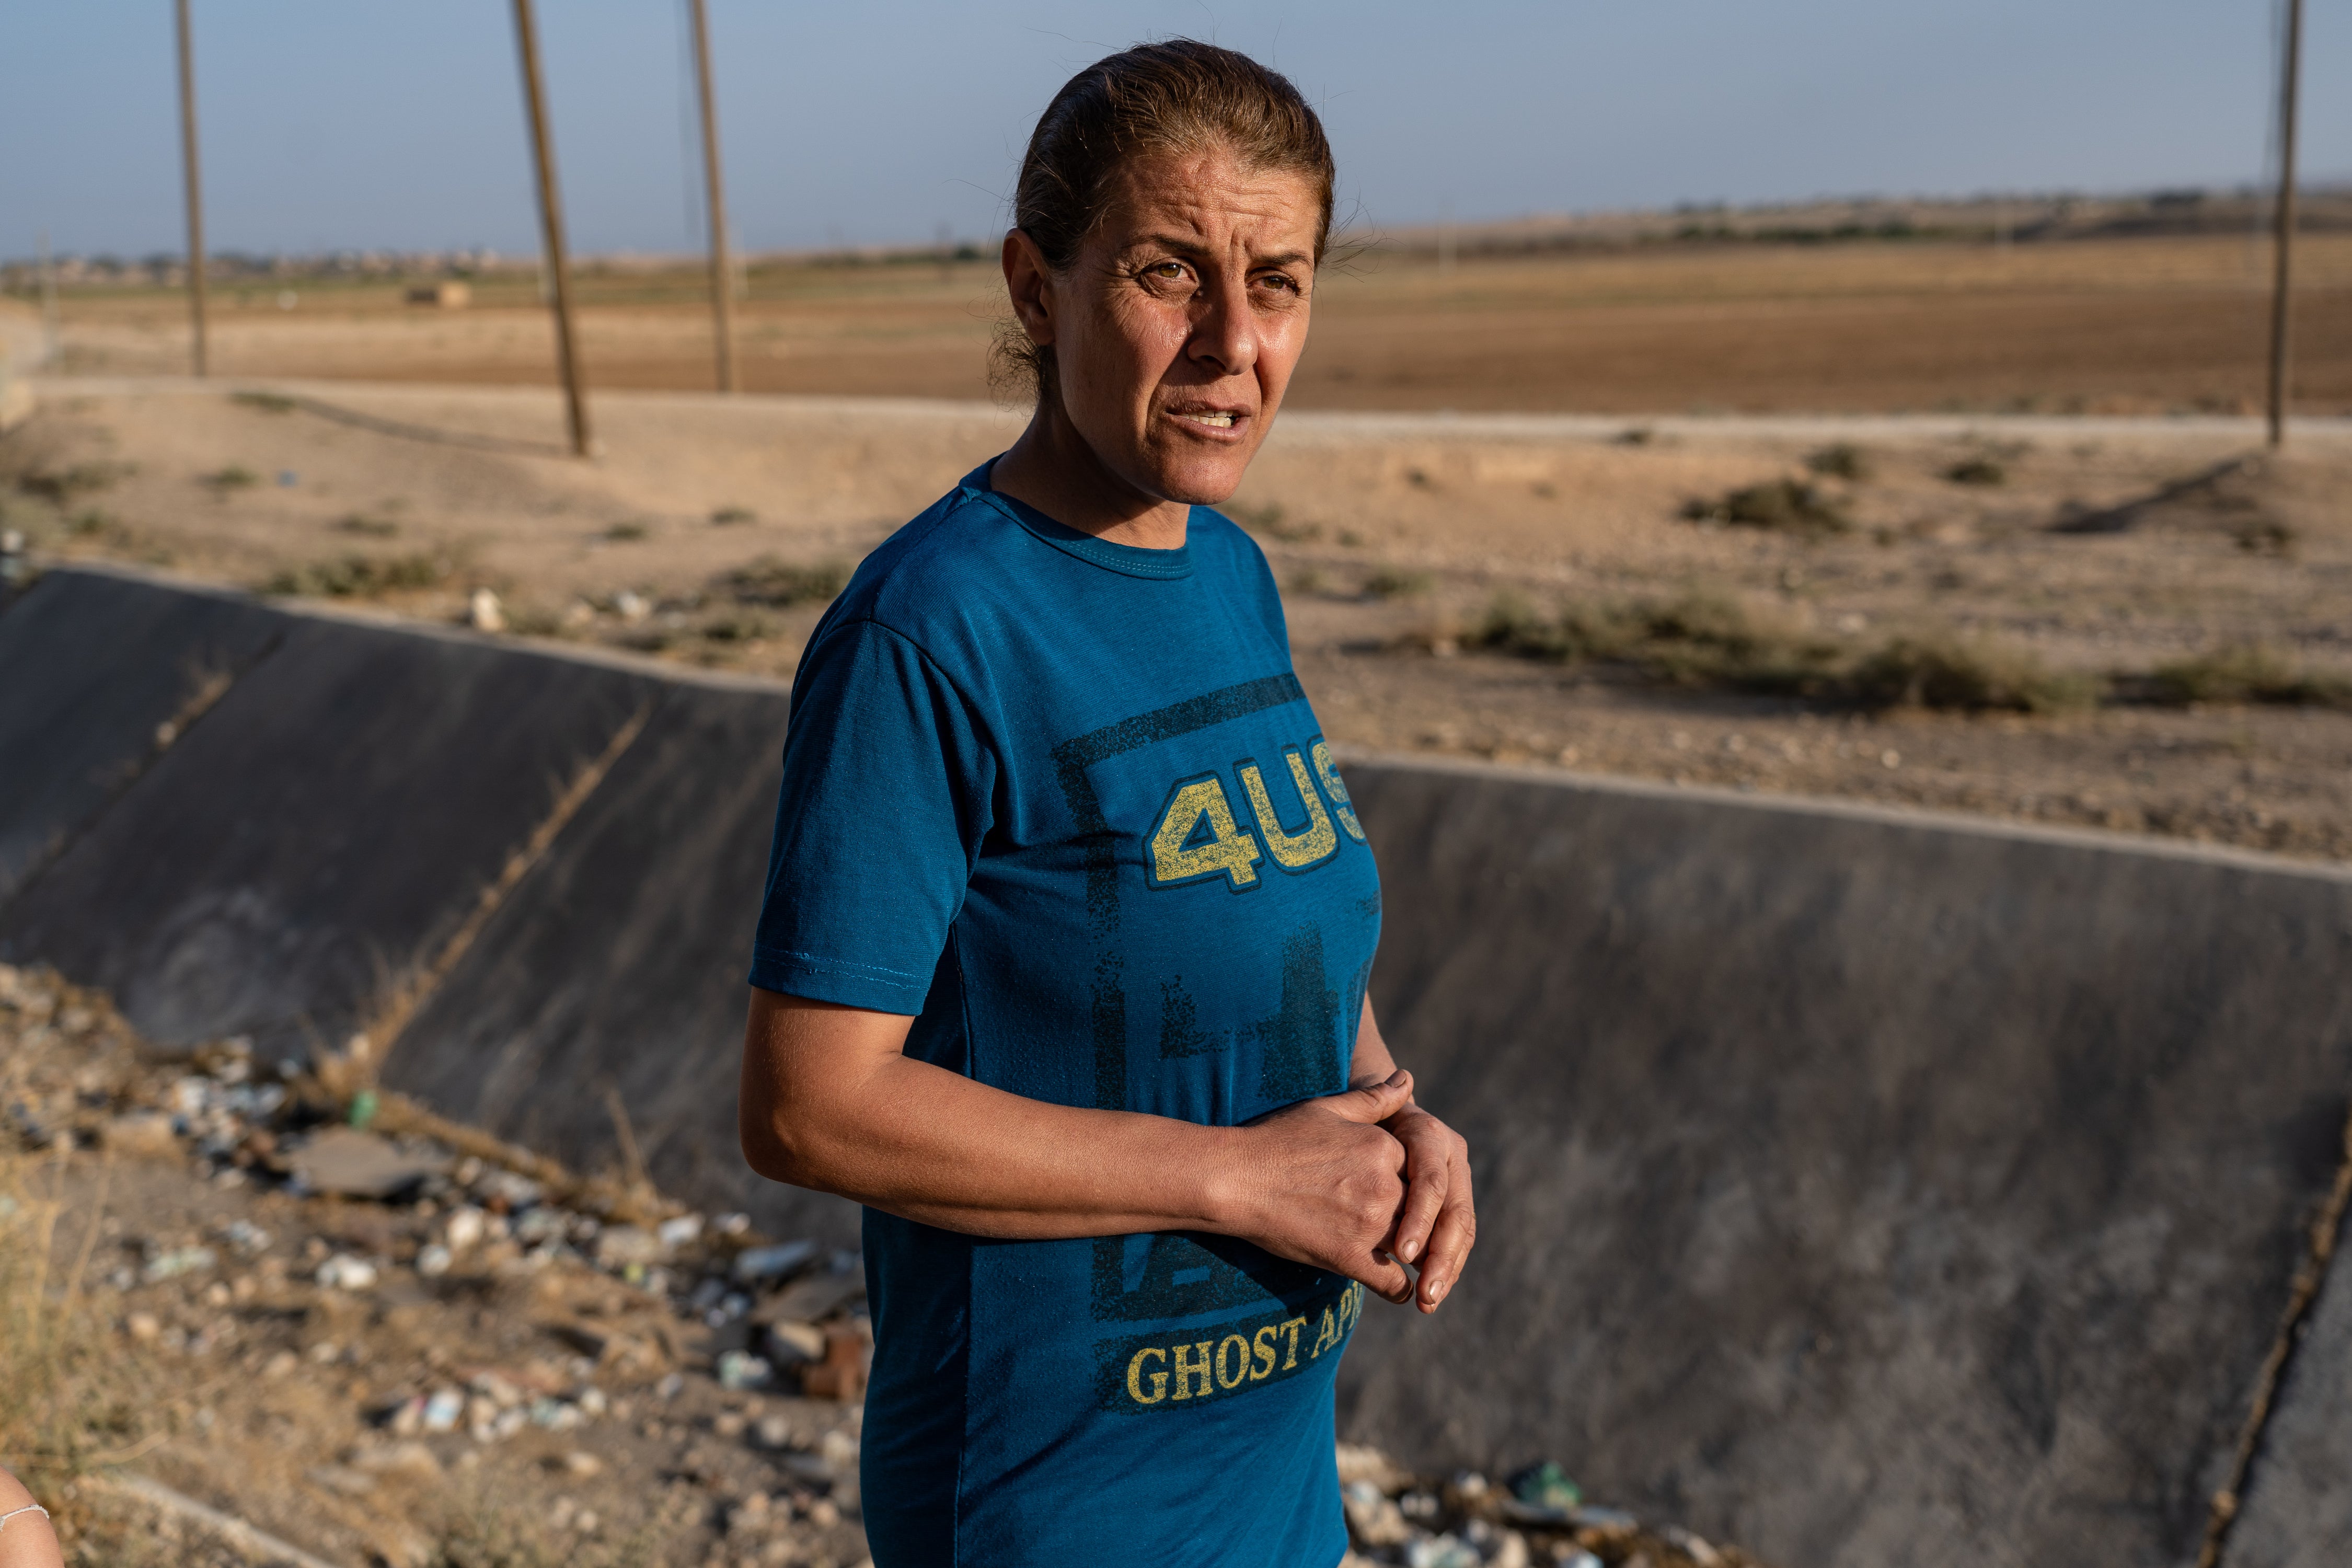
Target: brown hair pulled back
(1181,96)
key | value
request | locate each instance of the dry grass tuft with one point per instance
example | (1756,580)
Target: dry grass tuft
(1395,582)
(1838,460)
(771,580)
(1782,506)
(1979,470)
(1708,641)
(358,576)
(2248,673)
(1968,676)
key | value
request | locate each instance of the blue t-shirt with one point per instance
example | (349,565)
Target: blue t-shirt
(1063,801)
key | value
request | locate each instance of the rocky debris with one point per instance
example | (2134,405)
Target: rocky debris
(367,1306)
(444,1321)
(1466,1521)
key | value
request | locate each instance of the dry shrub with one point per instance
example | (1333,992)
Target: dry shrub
(1969,676)
(1978,471)
(62,485)
(1696,640)
(1708,641)
(1838,460)
(1782,506)
(1392,583)
(773,581)
(2248,672)
(364,576)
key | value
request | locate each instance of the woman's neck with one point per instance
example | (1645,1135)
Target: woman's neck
(1052,469)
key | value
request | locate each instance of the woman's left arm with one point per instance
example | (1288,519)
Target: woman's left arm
(1439,1222)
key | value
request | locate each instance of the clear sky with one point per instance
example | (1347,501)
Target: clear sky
(341,124)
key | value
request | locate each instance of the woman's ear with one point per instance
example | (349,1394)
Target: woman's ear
(1030,282)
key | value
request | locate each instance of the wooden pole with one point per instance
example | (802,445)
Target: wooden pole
(551,223)
(49,345)
(722,270)
(195,182)
(2281,297)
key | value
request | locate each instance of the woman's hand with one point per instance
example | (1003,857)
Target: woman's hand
(1439,1223)
(1324,1185)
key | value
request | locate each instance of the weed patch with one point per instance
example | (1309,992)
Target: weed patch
(1978,471)
(772,580)
(363,576)
(1268,520)
(263,402)
(2247,673)
(236,477)
(626,532)
(729,516)
(1704,641)
(65,484)
(1968,677)
(1838,460)
(1782,506)
(1390,582)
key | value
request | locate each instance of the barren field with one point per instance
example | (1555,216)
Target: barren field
(2130,624)
(2133,325)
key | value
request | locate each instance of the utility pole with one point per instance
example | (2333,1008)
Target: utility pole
(49,348)
(196,189)
(2282,298)
(722,271)
(551,223)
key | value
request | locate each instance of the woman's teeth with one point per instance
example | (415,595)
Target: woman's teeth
(1218,421)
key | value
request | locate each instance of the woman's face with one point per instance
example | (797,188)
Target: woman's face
(1175,329)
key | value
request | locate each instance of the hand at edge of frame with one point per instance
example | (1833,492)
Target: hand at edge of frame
(1438,1223)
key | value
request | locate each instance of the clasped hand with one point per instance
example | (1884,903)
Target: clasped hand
(1362,1183)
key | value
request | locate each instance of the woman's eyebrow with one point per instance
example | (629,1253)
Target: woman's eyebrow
(1194,246)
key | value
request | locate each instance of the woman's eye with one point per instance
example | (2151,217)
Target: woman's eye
(1167,272)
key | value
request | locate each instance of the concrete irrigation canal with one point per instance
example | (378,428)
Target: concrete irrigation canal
(1871,1188)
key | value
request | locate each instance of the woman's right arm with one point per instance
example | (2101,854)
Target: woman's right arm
(831,1101)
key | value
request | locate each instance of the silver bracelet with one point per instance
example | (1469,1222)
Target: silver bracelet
(28,1508)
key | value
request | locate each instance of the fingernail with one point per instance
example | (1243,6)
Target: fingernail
(1437,1291)
(1409,1251)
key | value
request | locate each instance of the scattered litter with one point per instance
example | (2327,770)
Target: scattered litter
(443,1410)
(344,1272)
(754,1265)
(788,1341)
(177,1261)
(1547,1487)
(739,1370)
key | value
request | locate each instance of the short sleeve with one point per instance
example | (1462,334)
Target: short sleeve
(885,800)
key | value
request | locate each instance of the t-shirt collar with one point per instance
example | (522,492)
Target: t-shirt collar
(1131,560)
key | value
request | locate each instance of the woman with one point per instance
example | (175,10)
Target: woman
(1061,967)
(25,1539)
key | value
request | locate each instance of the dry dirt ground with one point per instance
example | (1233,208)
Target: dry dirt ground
(2111,325)
(480,1361)
(2048,618)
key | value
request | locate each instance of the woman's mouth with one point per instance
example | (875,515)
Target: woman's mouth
(1224,421)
